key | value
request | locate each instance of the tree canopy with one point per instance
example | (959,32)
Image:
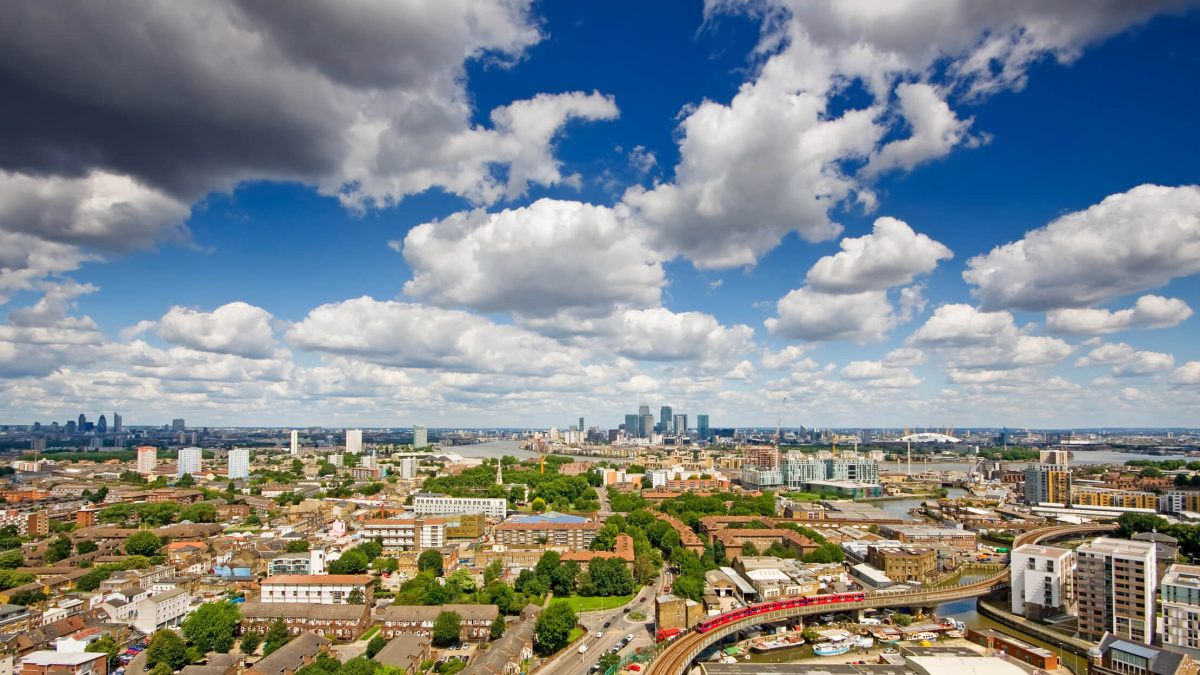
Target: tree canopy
(553,627)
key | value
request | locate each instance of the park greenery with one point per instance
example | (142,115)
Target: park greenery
(553,628)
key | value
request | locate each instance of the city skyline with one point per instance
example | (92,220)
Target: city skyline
(944,214)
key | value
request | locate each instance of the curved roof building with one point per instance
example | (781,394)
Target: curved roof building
(929,438)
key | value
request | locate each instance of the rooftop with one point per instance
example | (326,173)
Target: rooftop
(548,517)
(318,579)
(1177,575)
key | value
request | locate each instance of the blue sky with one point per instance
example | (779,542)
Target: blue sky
(504,213)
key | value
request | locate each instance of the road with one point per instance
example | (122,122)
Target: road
(571,662)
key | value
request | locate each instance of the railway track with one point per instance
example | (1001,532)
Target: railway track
(675,659)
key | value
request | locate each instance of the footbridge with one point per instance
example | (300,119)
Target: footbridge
(678,655)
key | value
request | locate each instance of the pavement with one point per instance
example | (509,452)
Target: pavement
(571,662)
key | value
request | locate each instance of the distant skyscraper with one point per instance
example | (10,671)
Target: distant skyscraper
(102,425)
(644,409)
(295,446)
(631,423)
(189,461)
(646,427)
(82,422)
(354,441)
(71,428)
(118,427)
(680,425)
(666,420)
(147,458)
(177,424)
(239,463)
(702,426)
(420,437)
(581,427)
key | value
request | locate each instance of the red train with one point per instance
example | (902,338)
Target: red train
(764,607)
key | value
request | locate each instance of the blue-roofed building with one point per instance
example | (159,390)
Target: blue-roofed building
(547,517)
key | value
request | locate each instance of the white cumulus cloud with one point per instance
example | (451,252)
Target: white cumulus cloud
(1150,311)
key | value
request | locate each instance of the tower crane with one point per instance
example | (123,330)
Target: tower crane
(779,425)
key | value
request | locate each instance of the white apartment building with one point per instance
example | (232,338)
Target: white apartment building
(147,459)
(1041,580)
(162,610)
(1181,606)
(239,463)
(354,441)
(189,461)
(294,447)
(407,469)
(437,505)
(326,589)
(659,477)
(407,534)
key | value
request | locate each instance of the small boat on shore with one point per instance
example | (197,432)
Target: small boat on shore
(955,633)
(864,642)
(924,635)
(830,649)
(886,635)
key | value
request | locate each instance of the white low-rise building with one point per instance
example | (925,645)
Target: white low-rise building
(1181,606)
(438,505)
(162,610)
(325,589)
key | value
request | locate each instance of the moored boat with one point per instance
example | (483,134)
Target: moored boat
(830,649)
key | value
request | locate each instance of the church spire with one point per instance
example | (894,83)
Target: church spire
(499,476)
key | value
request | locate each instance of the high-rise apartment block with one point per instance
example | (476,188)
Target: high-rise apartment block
(177,424)
(147,458)
(1057,457)
(189,461)
(294,446)
(407,468)
(1042,578)
(239,463)
(1047,483)
(681,425)
(354,441)
(1115,581)
(1181,606)
(420,437)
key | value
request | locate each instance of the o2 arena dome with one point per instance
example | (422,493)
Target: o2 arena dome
(928,437)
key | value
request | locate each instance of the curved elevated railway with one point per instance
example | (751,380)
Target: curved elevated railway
(677,655)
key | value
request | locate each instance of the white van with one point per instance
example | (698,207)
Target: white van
(869,621)
(582,648)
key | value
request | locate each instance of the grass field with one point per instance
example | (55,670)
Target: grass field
(574,635)
(371,633)
(581,604)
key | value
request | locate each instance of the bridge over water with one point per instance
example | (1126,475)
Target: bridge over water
(678,655)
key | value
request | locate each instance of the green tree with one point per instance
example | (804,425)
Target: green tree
(643,569)
(607,660)
(430,561)
(351,562)
(1151,472)
(250,642)
(276,637)
(497,628)
(554,626)
(902,620)
(185,481)
(749,549)
(376,644)
(12,559)
(26,597)
(538,505)
(546,565)
(199,513)
(563,577)
(462,579)
(299,546)
(447,628)
(59,549)
(810,635)
(166,647)
(212,626)
(143,543)
(109,646)
(688,586)
(493,571)
(99,495)
(611,576)
(1131,523)
(162,669)
(385,564)
(86,546)
(356,597)
(371,549)
(297,467)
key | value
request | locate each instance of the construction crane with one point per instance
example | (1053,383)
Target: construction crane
(779,425)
